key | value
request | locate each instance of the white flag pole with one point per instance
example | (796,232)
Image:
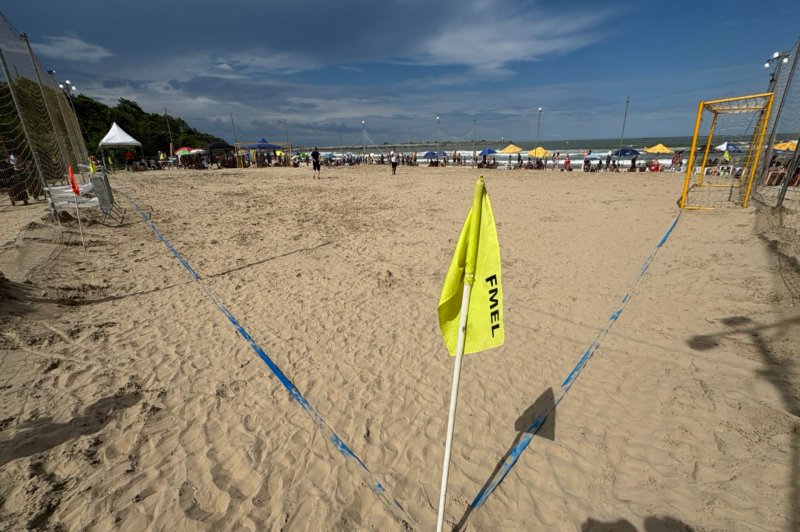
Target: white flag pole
(451,420)
(78,212)
(469,278)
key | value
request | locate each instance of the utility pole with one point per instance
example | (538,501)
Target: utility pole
(474,126)
(624,119)
(539,121)
(363,139)
(437,138)
(166,117)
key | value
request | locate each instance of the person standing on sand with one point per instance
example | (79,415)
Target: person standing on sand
(315,172)
(393,159)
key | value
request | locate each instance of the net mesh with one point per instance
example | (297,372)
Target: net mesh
(39,140)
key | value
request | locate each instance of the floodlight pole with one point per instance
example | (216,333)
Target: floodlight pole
(622,136)
(536,148)
(234,129)
(437,138)
(792,167)
(474,126)
(363,139)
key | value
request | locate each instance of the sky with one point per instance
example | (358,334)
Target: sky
(315,70)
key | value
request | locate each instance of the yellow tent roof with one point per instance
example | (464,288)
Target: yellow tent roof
(511,149)
(539,152)
(787,146)
(658,148)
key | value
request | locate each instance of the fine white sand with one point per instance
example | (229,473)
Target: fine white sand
(129,402)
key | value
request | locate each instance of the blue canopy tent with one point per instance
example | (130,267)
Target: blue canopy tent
(264,145)
(624,152)
(487,151)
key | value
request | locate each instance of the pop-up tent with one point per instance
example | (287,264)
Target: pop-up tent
(117,138)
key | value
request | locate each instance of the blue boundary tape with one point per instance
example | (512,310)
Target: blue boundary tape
(498,477)
(391,504)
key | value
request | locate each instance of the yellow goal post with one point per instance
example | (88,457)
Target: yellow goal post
(738,125)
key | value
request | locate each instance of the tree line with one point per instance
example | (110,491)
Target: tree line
(150,129)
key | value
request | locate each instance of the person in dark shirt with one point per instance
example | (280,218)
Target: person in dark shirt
(316,172)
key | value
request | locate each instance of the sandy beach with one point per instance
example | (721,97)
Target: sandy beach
(129,402)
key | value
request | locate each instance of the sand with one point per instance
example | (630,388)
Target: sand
(129,402)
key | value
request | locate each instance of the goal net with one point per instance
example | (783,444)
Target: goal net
(727,142)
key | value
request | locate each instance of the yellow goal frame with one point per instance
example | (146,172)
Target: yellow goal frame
(717,107)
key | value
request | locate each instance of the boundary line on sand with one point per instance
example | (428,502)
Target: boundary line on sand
(368,477)
(495,480)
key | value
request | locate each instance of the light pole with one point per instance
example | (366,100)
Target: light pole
(536,148)
(67,87)
(437,138)
(778,59)
(363,139)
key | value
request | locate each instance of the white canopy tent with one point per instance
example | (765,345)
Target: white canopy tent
(118,138)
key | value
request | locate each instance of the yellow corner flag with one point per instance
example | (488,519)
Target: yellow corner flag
(477,262)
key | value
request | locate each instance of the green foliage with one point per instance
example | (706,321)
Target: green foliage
(148,128)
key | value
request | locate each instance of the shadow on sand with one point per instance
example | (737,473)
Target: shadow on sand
(42,434)
(523,425)
(781,371)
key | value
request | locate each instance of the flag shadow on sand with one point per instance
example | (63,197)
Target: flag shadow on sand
(523,426)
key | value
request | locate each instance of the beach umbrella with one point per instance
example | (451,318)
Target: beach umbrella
(624,152)
(183,151)
(429,155)
(786,145)
(539,152)
(728,147)
(329,156)
(197,151)
(592,156)
(440,153)
(487,151)
(511,149)
(658,148)
(279,152)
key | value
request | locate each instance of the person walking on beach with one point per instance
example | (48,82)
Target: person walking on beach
(315,171)
(393,159)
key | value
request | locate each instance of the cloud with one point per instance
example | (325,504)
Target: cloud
(70,47)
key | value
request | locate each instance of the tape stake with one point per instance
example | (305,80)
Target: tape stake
(368,478)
